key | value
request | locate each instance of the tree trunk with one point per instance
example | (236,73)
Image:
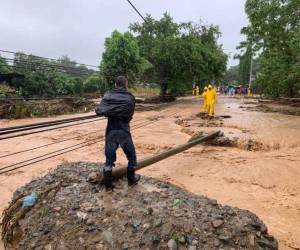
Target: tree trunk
(164,88)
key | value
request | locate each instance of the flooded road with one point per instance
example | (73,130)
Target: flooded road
(263,177)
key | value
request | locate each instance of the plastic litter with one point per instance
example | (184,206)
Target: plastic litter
(29,200)
(178,202)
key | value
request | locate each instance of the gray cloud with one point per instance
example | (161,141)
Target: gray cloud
(77,28)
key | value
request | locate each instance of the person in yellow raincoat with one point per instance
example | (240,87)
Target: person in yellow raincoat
(211,97)
(197,90)
(204,107)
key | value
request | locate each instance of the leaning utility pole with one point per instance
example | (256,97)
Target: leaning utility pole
(251,69)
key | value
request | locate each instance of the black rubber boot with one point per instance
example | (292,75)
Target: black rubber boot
(107,175)
(132,178)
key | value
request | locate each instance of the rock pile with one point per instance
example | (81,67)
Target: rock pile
(71,213)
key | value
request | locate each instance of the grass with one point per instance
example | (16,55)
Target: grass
(144,92)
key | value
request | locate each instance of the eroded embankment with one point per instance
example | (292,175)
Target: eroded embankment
(12,109)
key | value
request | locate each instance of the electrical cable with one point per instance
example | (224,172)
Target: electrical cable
(48,122)
(35,127)
(26,98)
(137,11)
(25,128)
(32,67)
(56,142)
(56,151)
(45,130)
(79,145)
(25,63)
(51,59)
(46,145)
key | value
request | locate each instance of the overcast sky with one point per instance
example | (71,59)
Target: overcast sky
(77,28)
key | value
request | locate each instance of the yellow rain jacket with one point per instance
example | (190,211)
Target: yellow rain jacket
(204,107)
(211,97)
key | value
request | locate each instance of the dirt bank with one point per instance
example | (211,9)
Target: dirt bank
(264,181)
(12,109)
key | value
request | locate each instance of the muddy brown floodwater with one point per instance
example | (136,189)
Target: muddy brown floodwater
(261,173)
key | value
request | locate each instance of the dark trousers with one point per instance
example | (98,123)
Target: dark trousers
(113,140)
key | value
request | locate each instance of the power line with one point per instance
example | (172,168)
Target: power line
(33,66)
(71,148)
(50,65)
(49,144)
(46,130)
(48,122)
(14,53)
(26,98)
(79,145)
(23,67)
(49,157)
(137,11)
(56,151)
(46,145)
(56,142)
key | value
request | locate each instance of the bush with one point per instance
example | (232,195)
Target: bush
(94,84)
(6,90)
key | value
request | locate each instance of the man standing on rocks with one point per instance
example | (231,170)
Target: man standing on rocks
(118,106)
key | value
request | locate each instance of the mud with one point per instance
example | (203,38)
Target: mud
(275,108)
(70,213)
(264,180)
(160,99)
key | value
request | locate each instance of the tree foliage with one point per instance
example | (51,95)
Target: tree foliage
(274,33)
(122,57)
(157,51)
(179,53)
(4,68)
(46,78)
(232,76)
(95,83)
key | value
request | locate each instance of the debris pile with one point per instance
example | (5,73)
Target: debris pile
(71,213)
(221,140)
(255,145)
(281,109)
(161,99)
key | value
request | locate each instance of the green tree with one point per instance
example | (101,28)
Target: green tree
(179,53)
(70,67)
(232,75)
(4,67)
(78,86)
(274,32)
(95,84)
(121,57)
(46,78)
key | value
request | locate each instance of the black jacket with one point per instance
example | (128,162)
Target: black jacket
(118,106)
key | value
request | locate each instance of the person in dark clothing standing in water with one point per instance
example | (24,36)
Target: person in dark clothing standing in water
(118,106)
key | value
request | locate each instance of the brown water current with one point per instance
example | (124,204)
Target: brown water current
(261,173)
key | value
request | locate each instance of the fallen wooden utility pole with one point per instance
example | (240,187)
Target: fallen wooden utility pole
(121,171)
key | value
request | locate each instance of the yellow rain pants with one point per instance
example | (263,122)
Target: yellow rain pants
(204,107)
(211,97)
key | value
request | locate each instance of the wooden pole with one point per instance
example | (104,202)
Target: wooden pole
(121,171)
